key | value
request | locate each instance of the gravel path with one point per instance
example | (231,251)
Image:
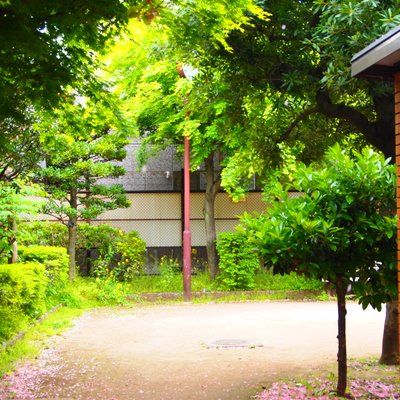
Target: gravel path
(193,351)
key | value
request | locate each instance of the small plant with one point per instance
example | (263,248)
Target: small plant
(102,266)
(238,261)
(110,291)
(131,250)
(169,268)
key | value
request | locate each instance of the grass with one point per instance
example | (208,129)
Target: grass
(35,337)
(264,280)
(77,296)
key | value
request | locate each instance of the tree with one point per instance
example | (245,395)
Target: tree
(167,108)
(300,61)
(341,229)
(47,47)
(82,143)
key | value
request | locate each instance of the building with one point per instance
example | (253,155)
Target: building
(156,212)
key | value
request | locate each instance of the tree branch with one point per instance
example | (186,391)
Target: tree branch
(359,121)
(298,119)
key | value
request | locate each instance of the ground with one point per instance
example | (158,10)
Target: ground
(193,351)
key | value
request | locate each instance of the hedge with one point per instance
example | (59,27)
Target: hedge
(55,260)
(22,296)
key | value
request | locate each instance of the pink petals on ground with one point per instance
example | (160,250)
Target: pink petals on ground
(323,389)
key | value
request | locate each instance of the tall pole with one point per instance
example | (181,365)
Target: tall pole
(187,236)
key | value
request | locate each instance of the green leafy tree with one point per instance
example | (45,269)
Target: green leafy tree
(165,107)
(341,229)
(82,144)
(46,48)
(300,62)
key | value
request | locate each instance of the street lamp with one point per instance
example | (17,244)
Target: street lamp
(188,72)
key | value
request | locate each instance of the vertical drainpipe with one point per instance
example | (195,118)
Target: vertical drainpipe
(397,133)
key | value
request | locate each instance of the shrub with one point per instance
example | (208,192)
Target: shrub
(124,256)
(238,261)
(124,253)
(131,251)
(109,291)
(55,260)
(22,295)
(99,237)
(43,233)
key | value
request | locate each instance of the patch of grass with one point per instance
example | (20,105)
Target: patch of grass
(239,296)
(34,339)
(369,369)
(77,296)
(265,280)
(174,283)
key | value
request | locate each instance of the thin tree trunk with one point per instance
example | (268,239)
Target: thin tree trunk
(390,343)
(13,241)
(342,350)
(71,248)
(212,187)
(72,222)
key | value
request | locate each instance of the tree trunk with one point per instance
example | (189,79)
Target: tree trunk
(13,240)
(71,248)
(390,343)
(212,187)
(72,222)
(342,350)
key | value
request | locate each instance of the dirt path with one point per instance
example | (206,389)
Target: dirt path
(177,352)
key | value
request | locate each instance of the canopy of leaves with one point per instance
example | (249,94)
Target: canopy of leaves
(145,71)
(47,45)
(300,60)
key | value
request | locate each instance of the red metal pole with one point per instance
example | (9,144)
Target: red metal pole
(187,237)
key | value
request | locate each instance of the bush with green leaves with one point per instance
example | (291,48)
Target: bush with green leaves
(119,252)
(343,226)
(238,261)
(110,290)
(99,237)
(131,251)
(42,233)
(22,295)
(55,260)
(124,253)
